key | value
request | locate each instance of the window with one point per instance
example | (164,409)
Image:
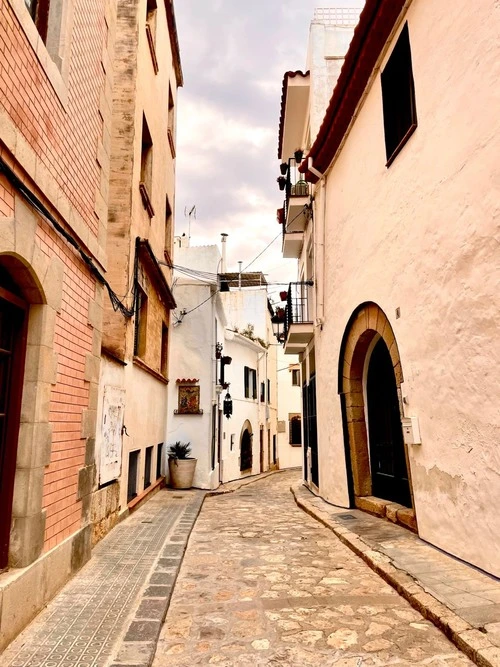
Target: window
(295,430)
(262,392)
(171,121)
(145,185)
(39,10)
(147,467)
(151,31)
(250,382)
(295,377)
(398,97)
(268,391)
(168,231)
(133,465)
(159,453)
(164,350)
(141,322)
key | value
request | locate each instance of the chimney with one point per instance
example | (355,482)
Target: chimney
(223,251)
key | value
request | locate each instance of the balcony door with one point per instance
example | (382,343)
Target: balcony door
(13,316)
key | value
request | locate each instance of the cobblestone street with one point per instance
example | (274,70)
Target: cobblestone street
(264,584)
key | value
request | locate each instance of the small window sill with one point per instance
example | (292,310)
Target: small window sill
(146,199)
(152,49)
(139,362)
(401,144)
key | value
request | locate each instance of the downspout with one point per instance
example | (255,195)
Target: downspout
(319,247)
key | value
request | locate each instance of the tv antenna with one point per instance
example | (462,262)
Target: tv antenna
(189,215)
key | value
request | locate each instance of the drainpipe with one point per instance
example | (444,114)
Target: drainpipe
(239,276)
(319,246)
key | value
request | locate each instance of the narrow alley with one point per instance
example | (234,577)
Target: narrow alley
(262,583)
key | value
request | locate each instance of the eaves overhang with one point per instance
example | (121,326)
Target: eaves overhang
(146,256)
(174,42)
(300,77)
(376,23)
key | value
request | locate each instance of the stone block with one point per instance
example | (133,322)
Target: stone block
(57,568)
(90,451)
(136,654)
(7,234)
(488,657)
(26,539)
(34,445)
(371,504)
(406,517)
(81,548)
(22,599)
(28,492)
(35,402)
(96,342)
(143,631)
(41,364)
(92,368)
(26,225)
(42,325)
(93,395)
(89,421)
(151,609)
(86,478)
(391,511)
(53,283)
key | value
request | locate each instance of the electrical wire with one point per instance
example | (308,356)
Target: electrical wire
(116,302)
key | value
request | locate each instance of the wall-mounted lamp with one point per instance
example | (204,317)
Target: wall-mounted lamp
(278,322)
(227,406)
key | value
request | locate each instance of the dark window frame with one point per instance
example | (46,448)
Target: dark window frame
(250,378)
(39,12)
(148,460)
(398,97)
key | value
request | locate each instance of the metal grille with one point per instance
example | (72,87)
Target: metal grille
(337,15)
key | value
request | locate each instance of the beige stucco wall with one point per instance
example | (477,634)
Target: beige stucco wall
(421,236)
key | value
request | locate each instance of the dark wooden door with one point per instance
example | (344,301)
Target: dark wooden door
(12,356)
(261,449)
(246,451)
(310,428)
(387,453)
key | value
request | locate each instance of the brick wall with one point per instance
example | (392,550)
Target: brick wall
(65,136)
(65,140)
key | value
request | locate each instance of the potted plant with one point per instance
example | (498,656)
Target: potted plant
(180,465)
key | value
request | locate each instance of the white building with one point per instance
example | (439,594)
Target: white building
(210,327)
(399,331)
(290,451)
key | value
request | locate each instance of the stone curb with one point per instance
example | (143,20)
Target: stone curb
(140,639)
(244,482)
(474,643)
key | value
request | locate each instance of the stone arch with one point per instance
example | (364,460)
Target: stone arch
(367,324)
(27,270)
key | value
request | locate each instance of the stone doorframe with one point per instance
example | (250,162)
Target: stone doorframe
(40,281)
(366,323)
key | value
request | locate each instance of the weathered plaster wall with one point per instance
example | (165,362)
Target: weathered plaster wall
(289,402)
(421,236)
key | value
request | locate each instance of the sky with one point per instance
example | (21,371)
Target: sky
(234,55)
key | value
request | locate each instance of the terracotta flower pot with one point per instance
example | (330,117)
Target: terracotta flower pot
(181,472)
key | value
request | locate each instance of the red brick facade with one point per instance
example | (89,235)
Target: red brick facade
(66,138)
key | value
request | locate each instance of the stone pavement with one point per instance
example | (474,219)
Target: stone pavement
(461,600)
(112,610)
(262,583)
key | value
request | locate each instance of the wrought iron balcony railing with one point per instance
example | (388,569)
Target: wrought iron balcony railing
(298,305)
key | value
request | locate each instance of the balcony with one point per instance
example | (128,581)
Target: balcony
(296,210)
(299,329)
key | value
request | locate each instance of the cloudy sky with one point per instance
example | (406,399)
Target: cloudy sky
(234,55)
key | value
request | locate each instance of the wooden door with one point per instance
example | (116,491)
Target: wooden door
(387,452)
(13,319)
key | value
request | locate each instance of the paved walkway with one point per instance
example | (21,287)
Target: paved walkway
(262,583)
(114,607)
(463,601)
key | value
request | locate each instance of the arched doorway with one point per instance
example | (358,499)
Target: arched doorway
(246,455)
(389,471)
(370,377)
(13,332)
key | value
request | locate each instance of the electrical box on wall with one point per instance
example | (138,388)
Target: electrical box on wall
(411,431)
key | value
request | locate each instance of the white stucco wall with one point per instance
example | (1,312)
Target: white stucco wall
(289,402)
(420,236)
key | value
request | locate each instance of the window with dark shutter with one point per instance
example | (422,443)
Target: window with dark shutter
(247,382)
(398,97)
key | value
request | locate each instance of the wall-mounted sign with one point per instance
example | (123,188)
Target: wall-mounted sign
(113,410)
